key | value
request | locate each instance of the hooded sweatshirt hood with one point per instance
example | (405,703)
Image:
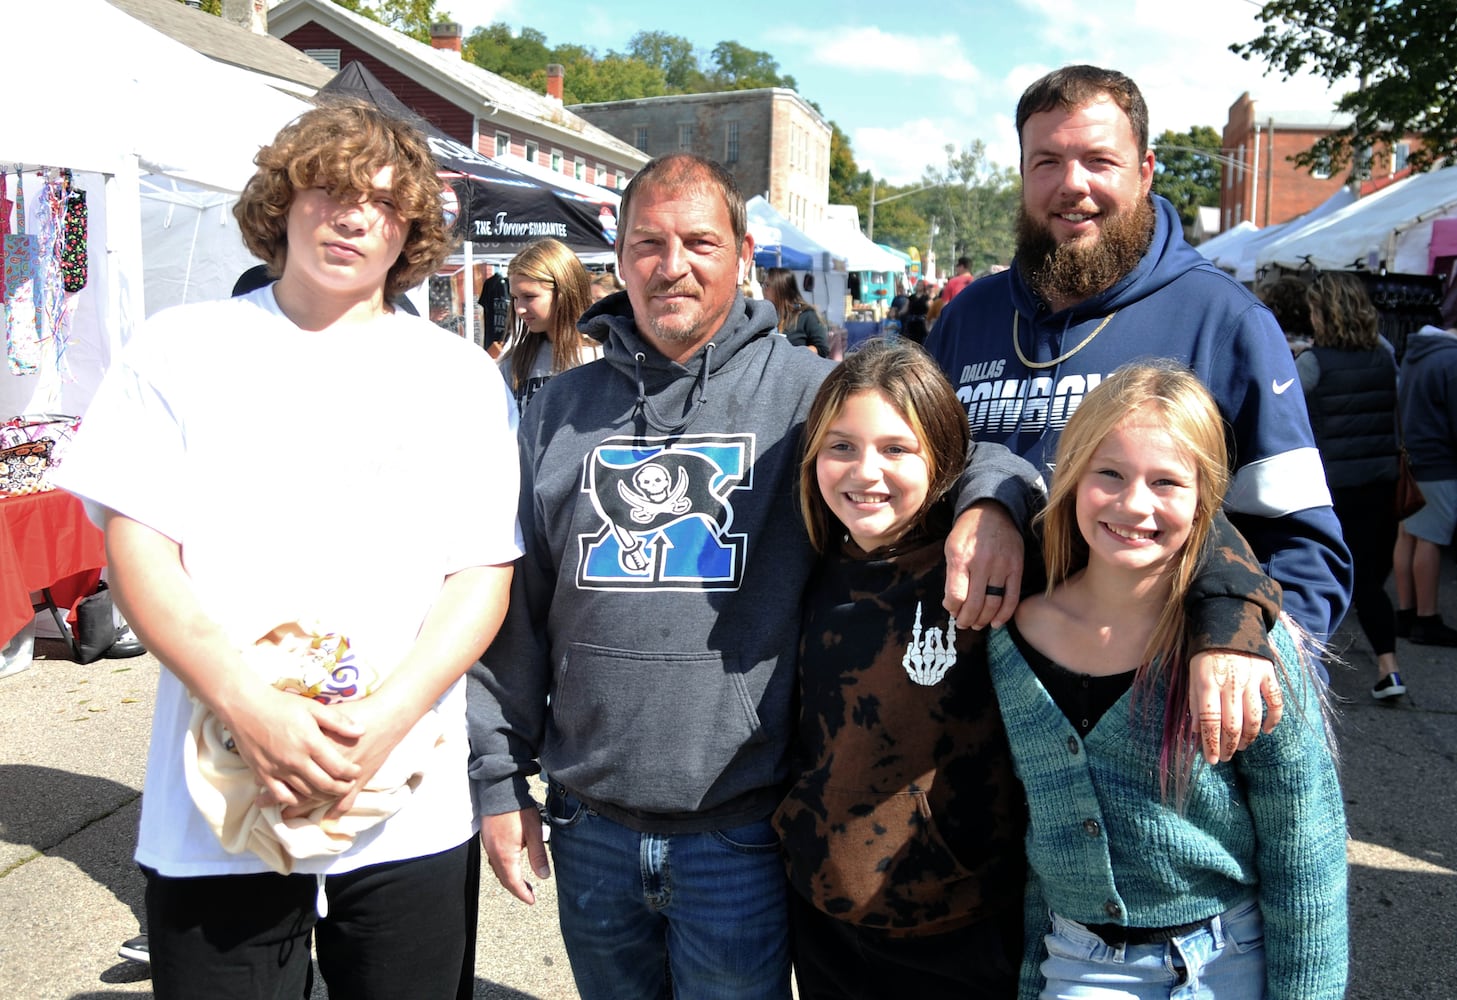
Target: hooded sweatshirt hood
(671,393)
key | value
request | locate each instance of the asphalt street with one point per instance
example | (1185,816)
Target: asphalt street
(73,744)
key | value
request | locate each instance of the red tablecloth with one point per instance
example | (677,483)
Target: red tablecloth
(46,540)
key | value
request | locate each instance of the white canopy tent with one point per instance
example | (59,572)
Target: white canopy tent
(1391,228)
(840,231)
(1237,250)
(147,119)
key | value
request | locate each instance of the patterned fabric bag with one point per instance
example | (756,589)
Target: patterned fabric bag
(73,246)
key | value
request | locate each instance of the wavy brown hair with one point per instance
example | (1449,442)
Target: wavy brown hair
(1074,87)
(553,264)
(910,381)
(341,145)
(1341,313)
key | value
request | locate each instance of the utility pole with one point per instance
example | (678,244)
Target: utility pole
(870,219)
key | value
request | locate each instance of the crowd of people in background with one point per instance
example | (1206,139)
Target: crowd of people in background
(988,659)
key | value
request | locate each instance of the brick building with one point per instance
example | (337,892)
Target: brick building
(1262,186)
(770,139)
(477,108)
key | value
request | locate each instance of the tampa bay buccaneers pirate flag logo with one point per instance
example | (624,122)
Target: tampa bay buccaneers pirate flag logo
(666,511)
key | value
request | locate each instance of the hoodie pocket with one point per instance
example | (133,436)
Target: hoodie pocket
(656,732)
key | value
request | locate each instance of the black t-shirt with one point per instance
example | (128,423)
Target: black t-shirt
(495,301)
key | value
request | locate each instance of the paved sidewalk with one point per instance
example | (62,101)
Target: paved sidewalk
(73,743)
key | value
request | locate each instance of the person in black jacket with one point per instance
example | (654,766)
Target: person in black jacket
(798,320)
(1349,378)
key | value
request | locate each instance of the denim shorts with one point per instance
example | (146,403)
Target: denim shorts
(1223,959)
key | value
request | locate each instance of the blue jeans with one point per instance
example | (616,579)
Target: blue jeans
(648,916)
(1224,960)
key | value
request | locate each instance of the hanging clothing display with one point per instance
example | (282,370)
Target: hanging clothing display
(22,252)
(73,250)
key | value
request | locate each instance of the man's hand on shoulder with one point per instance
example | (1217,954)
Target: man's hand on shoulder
(984,556)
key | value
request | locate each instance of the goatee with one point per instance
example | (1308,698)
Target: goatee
(1077,270)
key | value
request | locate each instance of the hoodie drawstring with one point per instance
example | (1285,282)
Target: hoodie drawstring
(321,900)
(642,392)
(644,407)
(703,373)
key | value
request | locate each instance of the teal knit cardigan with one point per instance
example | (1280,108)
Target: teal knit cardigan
(1103,846)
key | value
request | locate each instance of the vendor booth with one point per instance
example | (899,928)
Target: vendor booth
(779,243)
(124,173)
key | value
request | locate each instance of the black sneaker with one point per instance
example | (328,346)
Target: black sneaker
(135,950)
(1432,631)
(1404,618)
(1389,686)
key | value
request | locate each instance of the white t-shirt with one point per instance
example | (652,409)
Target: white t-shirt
(335,475)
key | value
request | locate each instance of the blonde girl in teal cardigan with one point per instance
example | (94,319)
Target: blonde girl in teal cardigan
(1153,874)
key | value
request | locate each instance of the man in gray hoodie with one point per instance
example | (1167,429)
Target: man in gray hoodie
(648,657)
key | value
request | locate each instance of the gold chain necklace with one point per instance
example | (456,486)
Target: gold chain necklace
(1017,345)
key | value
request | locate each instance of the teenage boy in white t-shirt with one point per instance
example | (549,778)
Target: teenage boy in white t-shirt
(262,460)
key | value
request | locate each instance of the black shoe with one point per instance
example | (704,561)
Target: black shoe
(126,645)
(135,950)
(1404,619)
(1389,686)
(1432,631)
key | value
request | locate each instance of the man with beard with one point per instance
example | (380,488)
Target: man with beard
(1102,277)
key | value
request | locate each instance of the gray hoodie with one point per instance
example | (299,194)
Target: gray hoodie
(658,603)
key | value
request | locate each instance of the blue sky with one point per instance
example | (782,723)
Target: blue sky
(902,87)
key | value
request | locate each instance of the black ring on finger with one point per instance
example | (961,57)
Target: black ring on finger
(995,591)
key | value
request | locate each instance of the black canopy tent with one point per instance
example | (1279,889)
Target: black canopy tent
(500,209)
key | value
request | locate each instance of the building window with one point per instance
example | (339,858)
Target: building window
(1400,156)
(503,144)
(640,138)
(1321,169)
(731,143)
(621,180)
(579,169)
(599,176)
(532,151)
(329,57)
(685,137)
(556,160)
(1240,159)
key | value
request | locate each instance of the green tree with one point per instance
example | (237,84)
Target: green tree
(515,57)
(614,77)
(846,179)
(214,7)
(671,55)
(1186,169)
(736,67)
(408,17)
(1400,50)
(972,204)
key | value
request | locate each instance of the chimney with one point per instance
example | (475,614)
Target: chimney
(556,79)
(250,14)
(445,35)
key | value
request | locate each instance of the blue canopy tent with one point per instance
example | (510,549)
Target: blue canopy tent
(779,243)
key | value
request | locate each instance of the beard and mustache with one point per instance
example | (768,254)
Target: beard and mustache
(1077,270)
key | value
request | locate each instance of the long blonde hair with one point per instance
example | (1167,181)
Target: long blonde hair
(1176,398)
(554,265)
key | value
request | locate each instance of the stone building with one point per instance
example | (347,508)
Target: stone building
(771,140)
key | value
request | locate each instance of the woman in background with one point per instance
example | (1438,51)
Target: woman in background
(798,320)
(1349,378)
(550,289)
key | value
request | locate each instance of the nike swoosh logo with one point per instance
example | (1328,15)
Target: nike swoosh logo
(1280,387)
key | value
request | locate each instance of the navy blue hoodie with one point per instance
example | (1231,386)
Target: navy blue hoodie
(1177,305)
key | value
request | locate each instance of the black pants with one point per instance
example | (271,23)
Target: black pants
(400,930)
(1368,521)
(834,960)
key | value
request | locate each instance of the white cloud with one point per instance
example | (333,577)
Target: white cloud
(871,50)
(473,14)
